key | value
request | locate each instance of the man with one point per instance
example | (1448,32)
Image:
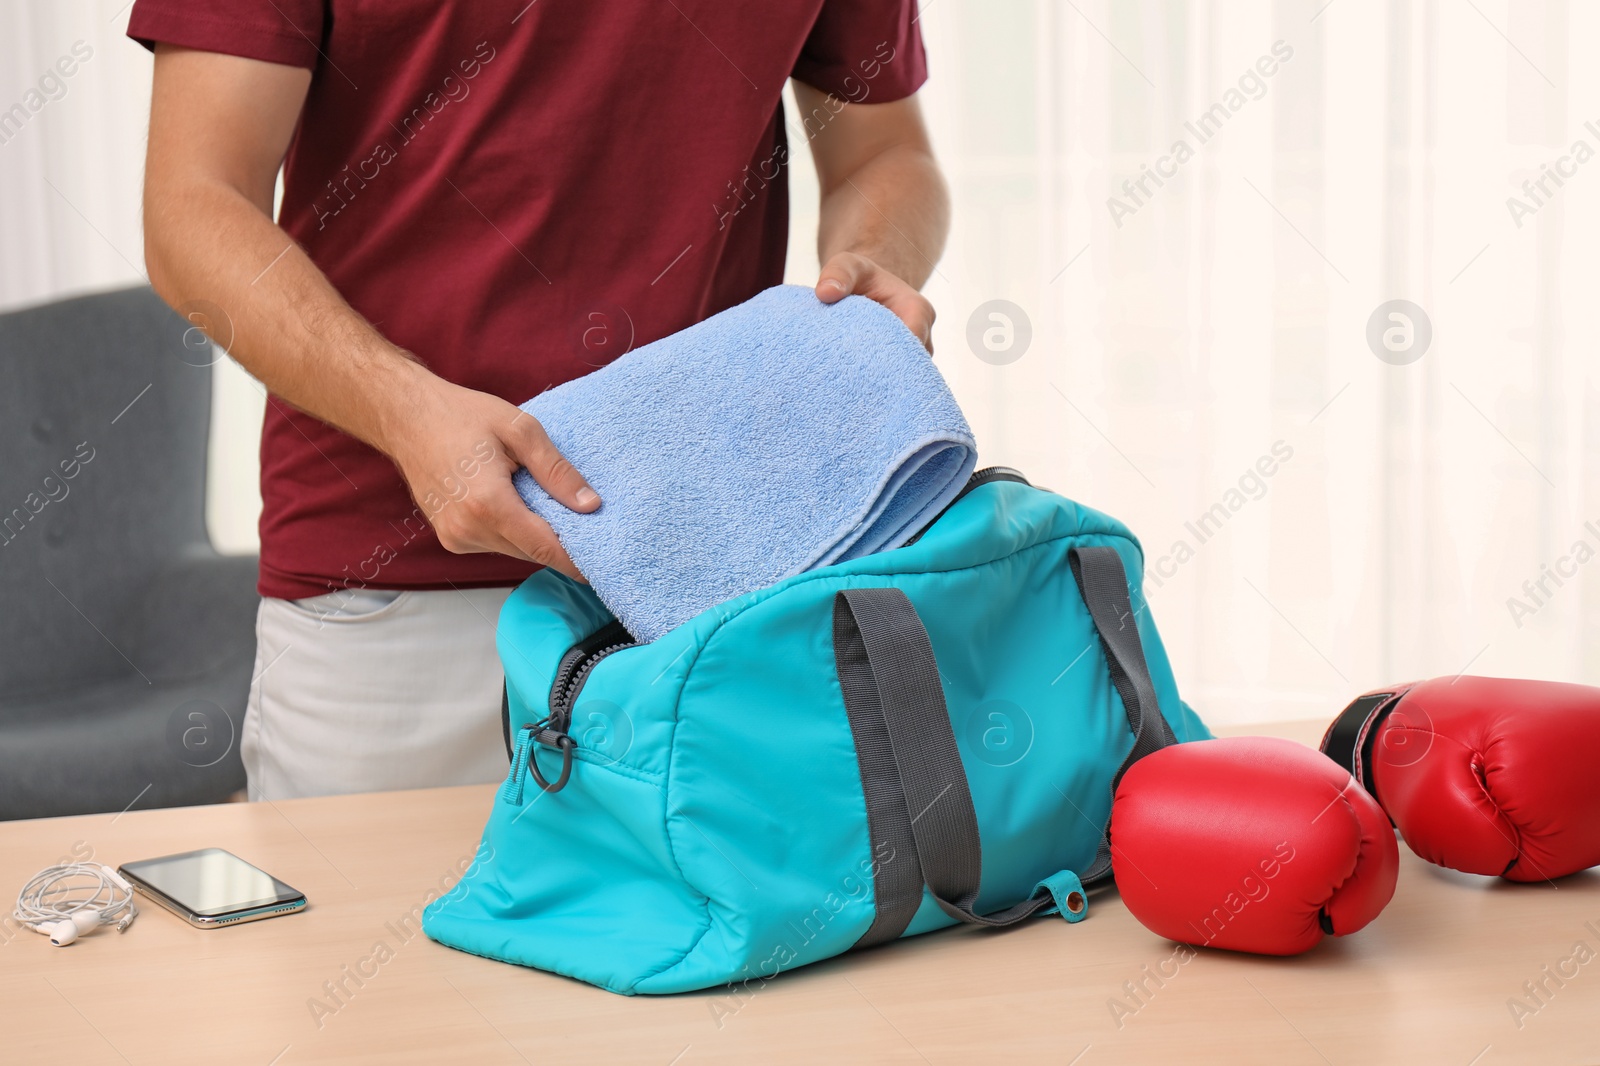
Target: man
(482,200)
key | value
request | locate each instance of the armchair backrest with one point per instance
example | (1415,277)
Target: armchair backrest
(104,412)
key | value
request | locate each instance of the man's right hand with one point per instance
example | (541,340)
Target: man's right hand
(442,440)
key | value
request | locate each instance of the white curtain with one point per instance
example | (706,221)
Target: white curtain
(1321,513)
(74,103)
(71,176)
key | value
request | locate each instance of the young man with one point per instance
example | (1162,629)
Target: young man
(481,200)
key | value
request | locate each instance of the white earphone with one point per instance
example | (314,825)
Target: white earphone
(64,902)
(69,929)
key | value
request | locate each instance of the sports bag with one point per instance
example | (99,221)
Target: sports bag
(876,749)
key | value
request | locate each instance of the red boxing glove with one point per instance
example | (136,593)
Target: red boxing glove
(1249,843)
(1482,774)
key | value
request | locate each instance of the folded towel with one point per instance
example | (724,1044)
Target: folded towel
(780,435)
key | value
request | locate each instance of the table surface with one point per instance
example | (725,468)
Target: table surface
(1433,980)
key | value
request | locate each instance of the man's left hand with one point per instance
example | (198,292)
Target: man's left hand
(847,273)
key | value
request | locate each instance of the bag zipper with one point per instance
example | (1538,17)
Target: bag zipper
(991,474)
(572,672)
(979,478)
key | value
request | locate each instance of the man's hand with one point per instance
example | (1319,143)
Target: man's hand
(457,450)
(850,274)
(885,211)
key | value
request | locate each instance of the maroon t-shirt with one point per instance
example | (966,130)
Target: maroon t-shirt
(518,193)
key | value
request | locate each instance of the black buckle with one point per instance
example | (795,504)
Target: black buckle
(563,743)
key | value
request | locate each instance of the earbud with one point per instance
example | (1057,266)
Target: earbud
(70,928)
(61,933)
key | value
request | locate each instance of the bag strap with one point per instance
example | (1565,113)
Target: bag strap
(920,816)
(1103,583)
(919,808)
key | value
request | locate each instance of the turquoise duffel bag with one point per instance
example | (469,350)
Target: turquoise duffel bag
(870,750)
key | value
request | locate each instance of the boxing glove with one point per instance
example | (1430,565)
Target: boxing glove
(1249,843)
(1482,774)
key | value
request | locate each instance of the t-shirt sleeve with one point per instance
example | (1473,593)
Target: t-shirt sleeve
(275,31)
(864,51)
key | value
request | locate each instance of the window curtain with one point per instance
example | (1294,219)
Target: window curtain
(1209,213)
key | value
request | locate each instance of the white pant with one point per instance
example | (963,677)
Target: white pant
(374,689)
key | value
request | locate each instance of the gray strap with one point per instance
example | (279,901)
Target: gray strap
(896,707)
(897,875)
(920,815)
(1103,584)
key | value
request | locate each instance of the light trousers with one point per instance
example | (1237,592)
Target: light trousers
(368,690)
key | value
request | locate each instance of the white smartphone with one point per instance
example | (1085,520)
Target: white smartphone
(211,888)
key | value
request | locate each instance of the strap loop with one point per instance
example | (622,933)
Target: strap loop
(1066,894)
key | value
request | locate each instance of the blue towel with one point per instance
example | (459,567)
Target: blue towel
(780,435)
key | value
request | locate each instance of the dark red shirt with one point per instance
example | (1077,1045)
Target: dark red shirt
(517,193)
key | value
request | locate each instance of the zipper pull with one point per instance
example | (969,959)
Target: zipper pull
(511,791)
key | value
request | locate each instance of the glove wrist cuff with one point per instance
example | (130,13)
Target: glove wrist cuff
(1348,740)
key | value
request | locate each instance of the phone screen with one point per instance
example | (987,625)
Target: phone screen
(210,882)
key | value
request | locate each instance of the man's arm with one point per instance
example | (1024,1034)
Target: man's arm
(885,210)
(219,128)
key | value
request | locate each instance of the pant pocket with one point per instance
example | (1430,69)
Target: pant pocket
(349,605)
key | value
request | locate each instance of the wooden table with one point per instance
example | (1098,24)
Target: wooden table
(1431,981)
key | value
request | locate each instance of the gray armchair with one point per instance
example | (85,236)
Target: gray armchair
(126,641)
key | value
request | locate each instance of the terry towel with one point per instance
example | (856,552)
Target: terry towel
(778,436)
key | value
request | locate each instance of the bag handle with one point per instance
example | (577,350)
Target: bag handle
(920,815)
(1103,583)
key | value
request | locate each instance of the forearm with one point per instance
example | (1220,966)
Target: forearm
(220,127)
(205,240)
(893,209)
